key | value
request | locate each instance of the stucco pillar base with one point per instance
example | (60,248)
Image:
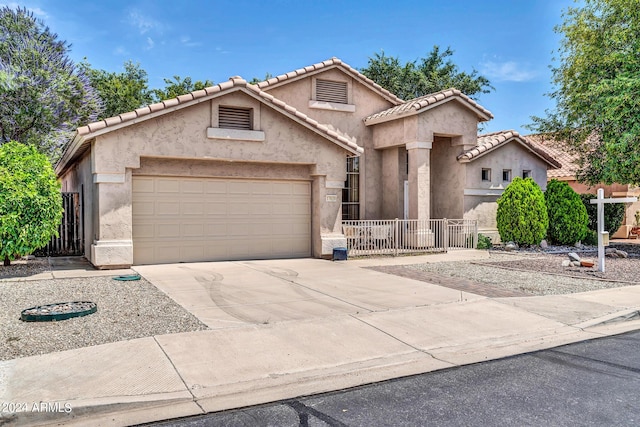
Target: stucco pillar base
(110,254)
(331,241)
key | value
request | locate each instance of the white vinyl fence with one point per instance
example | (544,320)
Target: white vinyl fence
(397,236)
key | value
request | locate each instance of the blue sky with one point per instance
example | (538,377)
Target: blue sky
(511,42)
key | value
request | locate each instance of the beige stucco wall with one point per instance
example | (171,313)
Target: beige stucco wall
(480,196)
(177,143)
(448,130)
(298,94)
(447,179)
(394,173)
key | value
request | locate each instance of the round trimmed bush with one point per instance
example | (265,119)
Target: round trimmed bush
(522,213)
(567,215)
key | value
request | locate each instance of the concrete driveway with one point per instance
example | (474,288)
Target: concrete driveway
(231,294)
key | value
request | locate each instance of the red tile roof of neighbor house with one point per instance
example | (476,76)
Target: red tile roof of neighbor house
(568,161)
(426,102)
(323,66)
(490,141)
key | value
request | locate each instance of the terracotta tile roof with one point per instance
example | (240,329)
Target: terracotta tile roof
(325,65)
(84,133)
(426,102)
(568,161)
(490,141)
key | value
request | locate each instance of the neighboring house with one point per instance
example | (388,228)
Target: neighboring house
(568,171)
(241,171)
(493,163)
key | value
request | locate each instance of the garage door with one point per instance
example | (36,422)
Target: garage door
(205,219)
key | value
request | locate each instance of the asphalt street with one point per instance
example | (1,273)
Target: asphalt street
(592,383)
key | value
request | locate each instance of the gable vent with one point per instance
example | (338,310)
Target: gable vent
(234,118)
(329,91)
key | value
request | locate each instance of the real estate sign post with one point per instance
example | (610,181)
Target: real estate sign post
(600,201)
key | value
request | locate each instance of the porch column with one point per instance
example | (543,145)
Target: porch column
(326,218)
(419,179)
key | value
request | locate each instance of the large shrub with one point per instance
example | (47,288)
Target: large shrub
(613,214)
(30,200)
(522,213)
(567,214)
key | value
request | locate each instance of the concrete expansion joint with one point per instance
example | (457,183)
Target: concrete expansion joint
(186,386)
(399,340)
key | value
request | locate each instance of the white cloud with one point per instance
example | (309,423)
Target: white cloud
(143,23)
(507,71)
(186,41)
(150,44)
(120,51)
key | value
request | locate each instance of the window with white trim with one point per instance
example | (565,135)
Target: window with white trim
(526,173)
(506,175)
(332,91)
(235,118)
(486,174)
(351,190)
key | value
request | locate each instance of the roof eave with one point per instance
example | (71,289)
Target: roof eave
(465,158)
(81,137)
(482,116)
(320,67)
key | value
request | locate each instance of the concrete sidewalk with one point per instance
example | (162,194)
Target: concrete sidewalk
(286,328)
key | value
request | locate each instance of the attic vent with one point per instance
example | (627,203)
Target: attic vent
(329,91)
(234,118)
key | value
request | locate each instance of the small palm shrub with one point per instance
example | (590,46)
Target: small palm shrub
(522,213)
(567,215)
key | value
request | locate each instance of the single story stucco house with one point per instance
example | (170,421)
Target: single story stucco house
(242,171)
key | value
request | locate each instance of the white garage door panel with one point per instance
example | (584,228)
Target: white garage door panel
(194,219)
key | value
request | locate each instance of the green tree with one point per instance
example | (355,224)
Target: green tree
(567,215)
(597,90)
(430,74)
(30,200)
(256,80)
(179,86)
(522,213)
(120,92)
(43,95)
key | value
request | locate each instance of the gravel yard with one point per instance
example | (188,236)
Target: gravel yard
(538,273)
(126,310)
(136,309)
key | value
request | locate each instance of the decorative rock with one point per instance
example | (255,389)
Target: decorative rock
(586,263)
(29,257)
(544,244)
(575,263)
(612,255)
(622,254)
(579,245)
(607,251)
(566,263)
(510,246)
(573,256)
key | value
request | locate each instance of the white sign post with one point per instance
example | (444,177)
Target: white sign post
(600,201)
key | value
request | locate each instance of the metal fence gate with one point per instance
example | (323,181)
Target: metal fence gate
(397,236)
(69,241)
